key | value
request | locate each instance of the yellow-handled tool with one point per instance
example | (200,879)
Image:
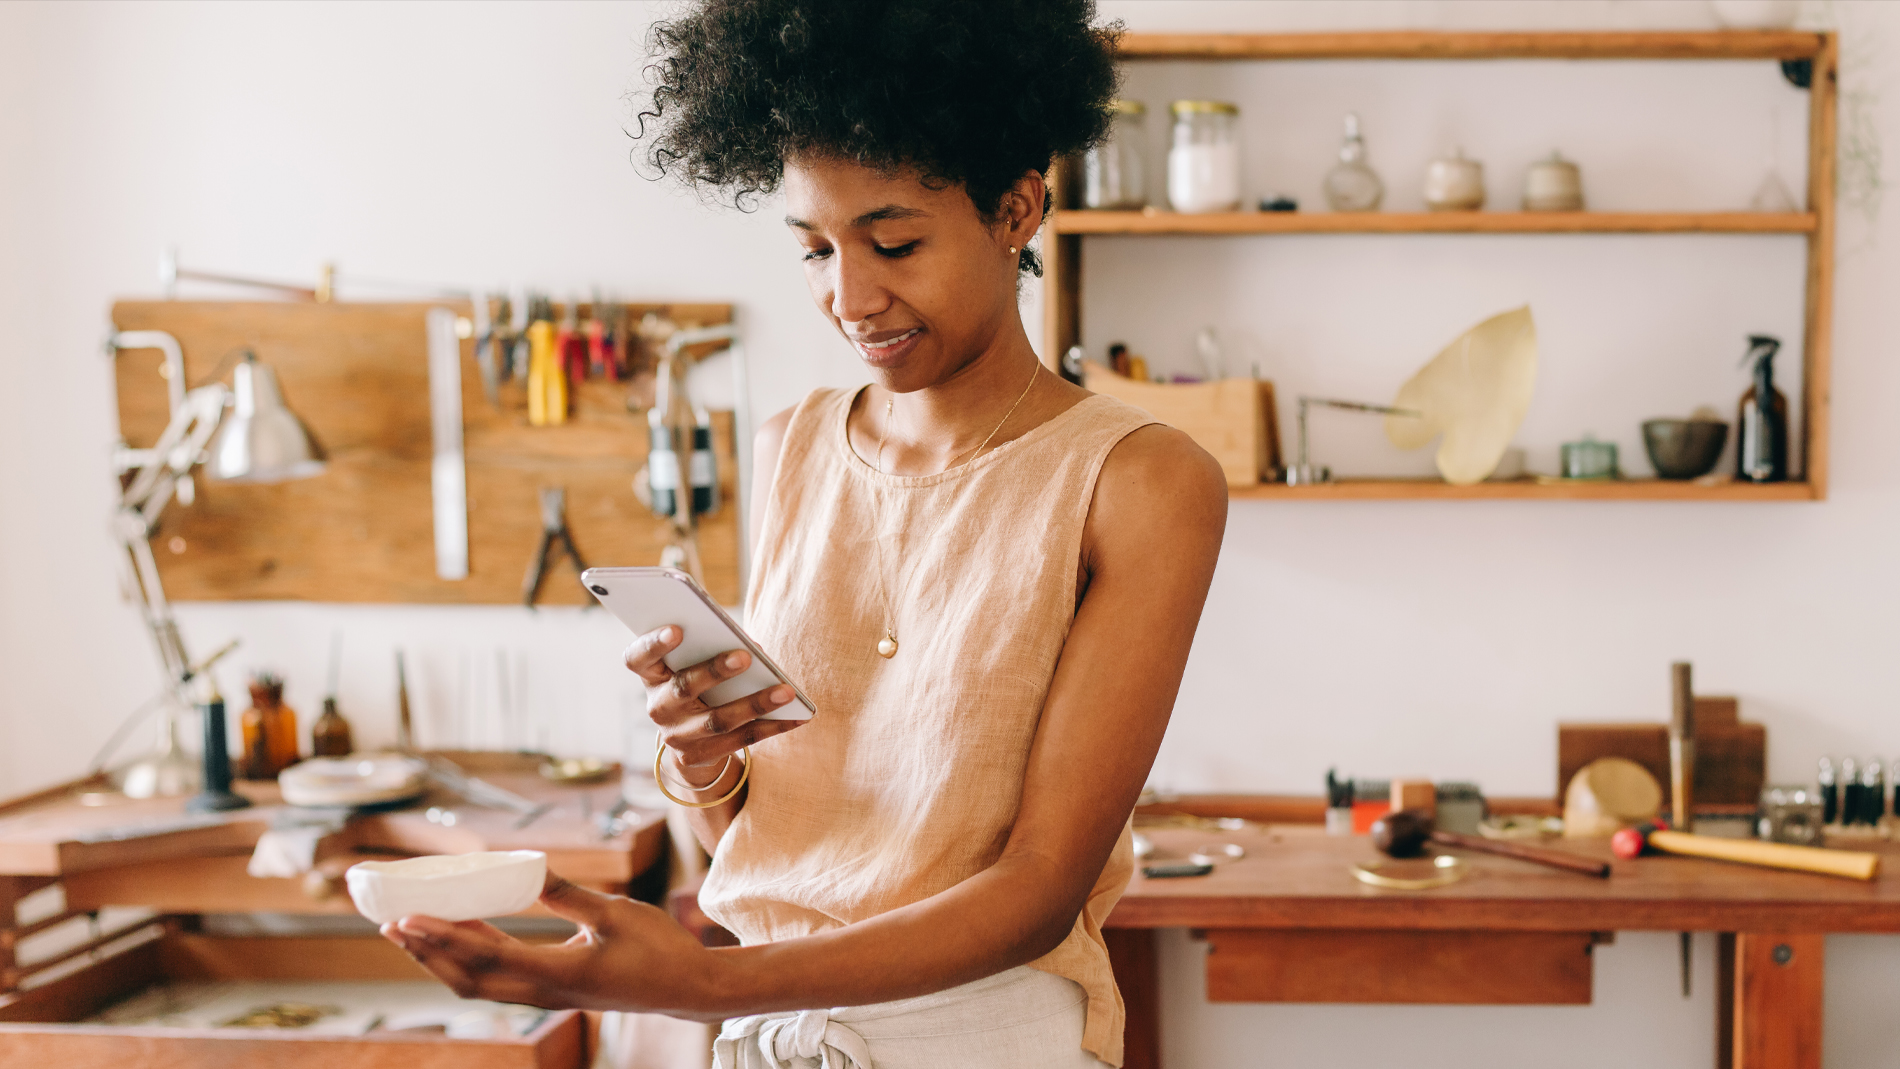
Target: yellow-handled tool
(1853,864)
(547,386)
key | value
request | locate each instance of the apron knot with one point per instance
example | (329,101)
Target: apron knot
(809,1039)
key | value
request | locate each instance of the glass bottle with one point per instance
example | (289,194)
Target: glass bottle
(1115,172)
(1352,185)
(270,730)
(330,735)
(1204,157)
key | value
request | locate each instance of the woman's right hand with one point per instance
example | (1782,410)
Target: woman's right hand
(701,736)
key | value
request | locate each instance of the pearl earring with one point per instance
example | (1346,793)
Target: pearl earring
(1012,250)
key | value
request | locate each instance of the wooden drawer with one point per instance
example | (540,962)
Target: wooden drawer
(34,1028)
(1439,967)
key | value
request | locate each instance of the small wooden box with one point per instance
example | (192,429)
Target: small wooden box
(34,1028)
(1233,419)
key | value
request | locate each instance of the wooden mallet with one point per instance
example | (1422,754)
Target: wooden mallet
(1405,833)
(1653,838)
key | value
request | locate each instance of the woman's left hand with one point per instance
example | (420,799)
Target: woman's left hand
(627,956)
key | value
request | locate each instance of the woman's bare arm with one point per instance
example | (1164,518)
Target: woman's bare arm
(1150,547)
(709,825)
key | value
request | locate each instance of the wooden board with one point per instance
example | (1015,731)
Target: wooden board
(1771,1000)
(1817,351)
(1530,490)
(1299,877)
(1439,968)
(1154,221)
(363,530)
(1731,760)
(1425,44)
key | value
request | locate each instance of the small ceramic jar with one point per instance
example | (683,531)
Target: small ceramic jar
(1553,185)
(1204,157)
(1454,184)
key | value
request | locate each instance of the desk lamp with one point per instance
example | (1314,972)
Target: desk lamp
(262,442)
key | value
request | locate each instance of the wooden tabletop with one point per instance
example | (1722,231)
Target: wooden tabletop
(175,865)
(1298,877)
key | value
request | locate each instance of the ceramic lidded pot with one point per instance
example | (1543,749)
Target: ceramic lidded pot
(1553,185)
(1454,183)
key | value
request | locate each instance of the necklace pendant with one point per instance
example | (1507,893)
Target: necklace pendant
(887,647)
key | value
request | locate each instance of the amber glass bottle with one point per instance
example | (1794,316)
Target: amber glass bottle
(270,730)
(330,735)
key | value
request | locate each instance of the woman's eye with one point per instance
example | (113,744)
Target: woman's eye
(895,251)
(816,254)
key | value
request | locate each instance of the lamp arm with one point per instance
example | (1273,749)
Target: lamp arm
(176,452)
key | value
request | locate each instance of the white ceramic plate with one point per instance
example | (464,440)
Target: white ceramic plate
(453,887)
(360,779)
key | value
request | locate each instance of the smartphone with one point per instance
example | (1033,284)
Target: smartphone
(647,599)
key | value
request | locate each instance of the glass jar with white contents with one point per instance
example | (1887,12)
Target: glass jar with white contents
(1204,157)
(1115,172)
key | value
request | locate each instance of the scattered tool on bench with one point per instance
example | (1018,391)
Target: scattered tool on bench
(1405,833)
(1654,838)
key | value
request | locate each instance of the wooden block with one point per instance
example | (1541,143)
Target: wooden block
(1419,794)
(1399,966)
(1731,755)
(1234,419)
(363,530)
(1771,1000)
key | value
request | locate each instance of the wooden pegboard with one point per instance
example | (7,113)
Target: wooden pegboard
(362,531)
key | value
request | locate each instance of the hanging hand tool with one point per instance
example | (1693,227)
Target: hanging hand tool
(553,529)
(448,470)
(570,346)
(613,330)
(596,344)
(547,387)
(519,360)
(485,361)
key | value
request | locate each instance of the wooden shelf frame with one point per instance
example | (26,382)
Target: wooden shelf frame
(1150,221)
(1062,302)
(1528,490)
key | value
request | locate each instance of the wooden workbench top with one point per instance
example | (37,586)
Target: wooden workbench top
(55,834)
(1298,877)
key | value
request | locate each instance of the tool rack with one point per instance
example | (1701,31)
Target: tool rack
(357,373)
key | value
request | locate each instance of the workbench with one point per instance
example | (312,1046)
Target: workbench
(1289,923)
(148,855)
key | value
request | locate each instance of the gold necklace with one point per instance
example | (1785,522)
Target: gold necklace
(887,646)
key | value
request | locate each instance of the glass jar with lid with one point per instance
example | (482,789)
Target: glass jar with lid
(1115,172)
(1204,157)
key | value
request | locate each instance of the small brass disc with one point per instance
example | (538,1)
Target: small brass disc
(887,647)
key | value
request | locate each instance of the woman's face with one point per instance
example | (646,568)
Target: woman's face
(913,277)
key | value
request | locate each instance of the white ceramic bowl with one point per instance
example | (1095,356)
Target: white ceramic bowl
(453,887)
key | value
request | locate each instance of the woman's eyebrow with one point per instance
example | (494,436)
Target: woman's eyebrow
(875,215)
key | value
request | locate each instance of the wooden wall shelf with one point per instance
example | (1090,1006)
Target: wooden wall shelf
(1079,221)
(1528,490)
(1063,257)
(1406,44)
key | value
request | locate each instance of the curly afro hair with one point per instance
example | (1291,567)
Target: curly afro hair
(976,92)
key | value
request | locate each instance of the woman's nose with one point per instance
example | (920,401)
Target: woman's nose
(857,291)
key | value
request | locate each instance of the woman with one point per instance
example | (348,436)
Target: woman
(986,578)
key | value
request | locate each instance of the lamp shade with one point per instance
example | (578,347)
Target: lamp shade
(261,440)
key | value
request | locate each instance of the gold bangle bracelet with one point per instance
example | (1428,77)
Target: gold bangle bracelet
(659,780)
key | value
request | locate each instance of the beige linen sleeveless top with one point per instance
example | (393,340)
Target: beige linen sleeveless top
(908,780)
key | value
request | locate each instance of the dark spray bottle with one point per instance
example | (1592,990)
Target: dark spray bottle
(1761,452)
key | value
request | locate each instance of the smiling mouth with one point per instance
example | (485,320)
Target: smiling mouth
(901,338)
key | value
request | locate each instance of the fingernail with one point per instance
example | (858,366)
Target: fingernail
(779,695)
(668,634)
(734,661)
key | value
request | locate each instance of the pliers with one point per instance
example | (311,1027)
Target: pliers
(553,529)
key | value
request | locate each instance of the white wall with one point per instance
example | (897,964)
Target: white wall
(484,144)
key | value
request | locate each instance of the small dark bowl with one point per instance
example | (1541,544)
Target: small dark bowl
(1684,448)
